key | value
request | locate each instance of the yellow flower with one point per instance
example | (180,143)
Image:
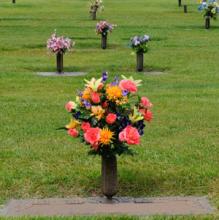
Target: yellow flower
(136,116)
(97,111)
(73,124)
(123,101)
(106,136)
(113,93)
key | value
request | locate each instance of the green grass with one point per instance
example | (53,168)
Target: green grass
(117,218)
(179,152)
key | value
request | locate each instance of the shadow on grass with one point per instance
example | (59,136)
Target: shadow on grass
(83,38)
(34,46)
(20,5)
(53,69)
(195,27)
(20,19)
(152,38)
(147,68)
(132,183)
(146,183)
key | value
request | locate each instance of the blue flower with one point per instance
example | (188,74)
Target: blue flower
(125,92)
(86,103)
(104,76)
(77,115)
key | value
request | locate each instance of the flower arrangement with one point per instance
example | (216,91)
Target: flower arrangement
(140,43)
(109,116)
(96,5)
(103,27)
(210,8)
(59,44)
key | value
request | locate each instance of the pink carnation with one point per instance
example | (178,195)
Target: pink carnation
(70,106)
(145,102)
(73,132)
(92,136)
(128,85)
(111,118)
(95,97)
(129,135)
(148,116)
(85,126)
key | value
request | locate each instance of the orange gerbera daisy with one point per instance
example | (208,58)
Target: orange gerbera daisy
(86,94)
(113,93)
(106,136)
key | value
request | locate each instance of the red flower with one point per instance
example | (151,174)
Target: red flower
(73,132)
(128,85)
(145,102)
(95,97)
(105,104)
(92,136)
(111,118)
(85,126)
(148,116)
(130,135)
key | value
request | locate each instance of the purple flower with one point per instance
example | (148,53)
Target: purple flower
(116,81)
(125,92)
(80,93)
(104,76)
(86,103)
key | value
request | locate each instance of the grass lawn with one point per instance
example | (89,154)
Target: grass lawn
(179,155)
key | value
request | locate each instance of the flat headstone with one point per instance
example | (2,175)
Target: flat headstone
(61,74)
(102,206)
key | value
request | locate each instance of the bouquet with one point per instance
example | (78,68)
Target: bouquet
(96,5)
(59,44)
(210,8)
(104,27)
(109,116)
(140,43)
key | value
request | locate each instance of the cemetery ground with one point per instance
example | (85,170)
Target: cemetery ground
(178,154)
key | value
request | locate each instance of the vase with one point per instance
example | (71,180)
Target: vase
(59,62)
(185,9)
(104,41)
(94,12)
(109,176)
(207,22)
(94,15)
(140,61)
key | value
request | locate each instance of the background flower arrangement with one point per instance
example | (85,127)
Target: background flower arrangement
(109,116)
(96,5)
(140,43)
(59,44)
(103,27)
(210,8)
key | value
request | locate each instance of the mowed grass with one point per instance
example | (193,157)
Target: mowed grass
(179,154)
(117,218)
